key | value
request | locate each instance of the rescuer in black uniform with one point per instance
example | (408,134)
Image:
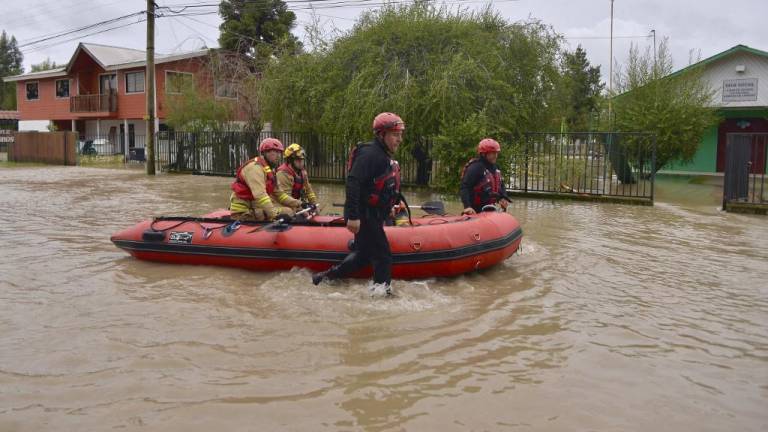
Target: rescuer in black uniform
(373,188)
(481,181)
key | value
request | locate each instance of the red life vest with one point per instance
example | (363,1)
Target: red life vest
(297,190)
(486,191)
(386,187)
(240,187)
(385,191)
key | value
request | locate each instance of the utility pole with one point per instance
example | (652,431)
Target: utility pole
(610,77)
(150,88)
(653,32)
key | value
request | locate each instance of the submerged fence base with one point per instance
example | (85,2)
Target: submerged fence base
(583,197)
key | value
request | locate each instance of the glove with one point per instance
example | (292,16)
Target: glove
(286,218)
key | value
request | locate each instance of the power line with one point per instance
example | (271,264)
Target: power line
(38,48)
(34,44)
(79,29)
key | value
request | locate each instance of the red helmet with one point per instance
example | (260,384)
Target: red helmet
(488,145)
(270,144)
(388,121)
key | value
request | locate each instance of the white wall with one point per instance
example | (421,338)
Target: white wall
(725,69)
(34,125)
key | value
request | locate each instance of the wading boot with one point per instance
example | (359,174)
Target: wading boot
(320,276)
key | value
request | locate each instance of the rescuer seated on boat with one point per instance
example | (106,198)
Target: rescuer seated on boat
(399,215)
(481,181)
(292,176)
(255,195)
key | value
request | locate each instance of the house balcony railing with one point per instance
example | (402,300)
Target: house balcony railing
(93,103)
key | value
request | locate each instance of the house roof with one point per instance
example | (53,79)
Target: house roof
(736,49)
(106,55)
(50,73)
(709,60)
(109,58)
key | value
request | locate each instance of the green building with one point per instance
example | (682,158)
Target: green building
(740,77)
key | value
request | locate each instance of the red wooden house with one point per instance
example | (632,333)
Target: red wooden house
(101,92)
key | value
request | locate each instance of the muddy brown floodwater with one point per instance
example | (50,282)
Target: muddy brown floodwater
(613,318)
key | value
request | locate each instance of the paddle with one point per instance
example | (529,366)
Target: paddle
(430,207)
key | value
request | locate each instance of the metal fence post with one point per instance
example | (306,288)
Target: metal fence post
(525,161)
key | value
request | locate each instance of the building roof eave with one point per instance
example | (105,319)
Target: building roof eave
(718,56)
(50,73)
(159,60)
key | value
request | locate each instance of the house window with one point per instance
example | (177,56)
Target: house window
(32,93)
(62,88)
(226,89)
(176,82)
(134,82)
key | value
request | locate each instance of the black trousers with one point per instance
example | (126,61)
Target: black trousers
(371,247)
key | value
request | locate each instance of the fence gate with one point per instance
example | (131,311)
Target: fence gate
(745,163)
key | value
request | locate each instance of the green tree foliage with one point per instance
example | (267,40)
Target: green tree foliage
(259,29)
(457,75)
(46,64)
(193,111)
(10,64)
(580,90)
(676,107)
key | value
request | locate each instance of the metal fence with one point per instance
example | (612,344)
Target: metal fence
(586,164)
(221,153)
(132,147)
(591,164)
(745,166)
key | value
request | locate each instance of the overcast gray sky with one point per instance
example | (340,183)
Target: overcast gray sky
(705,26)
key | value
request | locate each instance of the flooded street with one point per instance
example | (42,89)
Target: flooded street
(613,318)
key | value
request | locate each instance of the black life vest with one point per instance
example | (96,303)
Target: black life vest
(240,187)
(297,190)
(486,191)
(385,190)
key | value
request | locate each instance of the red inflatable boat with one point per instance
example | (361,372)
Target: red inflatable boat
(433,246)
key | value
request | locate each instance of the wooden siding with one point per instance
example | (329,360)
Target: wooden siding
(47,106)
(57,148)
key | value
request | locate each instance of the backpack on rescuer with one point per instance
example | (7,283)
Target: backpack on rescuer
(385,191)
(486,191)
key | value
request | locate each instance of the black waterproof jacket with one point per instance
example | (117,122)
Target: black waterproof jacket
(371,161)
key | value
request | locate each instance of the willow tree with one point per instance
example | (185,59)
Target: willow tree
(454,76)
